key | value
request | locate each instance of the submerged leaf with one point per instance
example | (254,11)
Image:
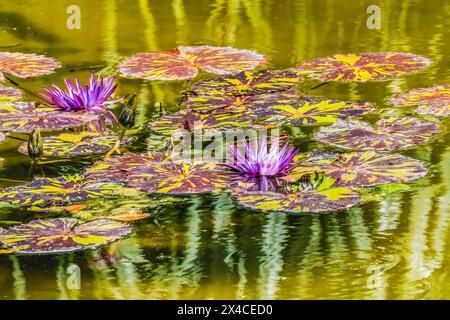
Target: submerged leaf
(62,235)
(434,100)
(374,66)
(390,133)
(25,65)
(183,62)
(360,169)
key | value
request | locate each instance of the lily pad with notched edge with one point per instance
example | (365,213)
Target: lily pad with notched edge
(319,195)
(75,144)
(184,62)
(61,235)
(55,191)
(312,111)
(218,103)
(247,83)
(8,94)
(434,100)
(374,66)
(360,169)
(390,133)
(179,178)
(25,65)
(116,169)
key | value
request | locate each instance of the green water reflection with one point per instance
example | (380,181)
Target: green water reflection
(396,246)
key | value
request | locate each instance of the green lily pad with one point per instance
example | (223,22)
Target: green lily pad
(390,133)
(61,235)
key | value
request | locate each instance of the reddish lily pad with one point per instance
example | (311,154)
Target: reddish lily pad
(134,215)
(375,66)
(220,121)
(17,107)
(360,169)
(434,100)
(319,196)
(25,65)
(179,178)
(75,144)
(8,94)
(390,133)
(61,235)
(55,191)
(25,122)
(116,169)
(312,112)
(184,62)
(248,83)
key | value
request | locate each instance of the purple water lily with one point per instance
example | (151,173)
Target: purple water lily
(92,98)
(256,161)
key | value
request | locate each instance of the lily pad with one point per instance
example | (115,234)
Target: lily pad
(188,120)
(75,144)
(312,111)
(374,66)
(218,103)
(116,169)
(390,133)
(360,169)
(8,94)
(184,62)
(17,107)
(61,235)
(25,122)
(24,65)
(248,83)
(434,100)
(55,191)
(179,178)
(319,198)
(2,136)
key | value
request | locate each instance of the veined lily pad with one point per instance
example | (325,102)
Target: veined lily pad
(8,94)
(312,111)
(183,62)
(362,67)
(55,191)
(75,144)
(16,107)
(168,124)
(435,100)
(318,196)
(248,83)
(25,122)
(179,178)
(116,169)
(390,133)
(360,169)
(25,65)
(62,235)
(218,103)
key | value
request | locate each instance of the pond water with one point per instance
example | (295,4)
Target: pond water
(395,246)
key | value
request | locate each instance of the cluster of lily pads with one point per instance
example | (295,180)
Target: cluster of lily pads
(263,177)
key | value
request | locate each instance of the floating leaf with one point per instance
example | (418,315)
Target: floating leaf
(55,191)
(190,121)
(360,169)
(17,107)
(62,235)
(312,111)
(116,169)
(8,94)
(179,178)
(217,104)
(25,65)
(2,136)
(248,83)
(390,133)
(75,144)
(132,215)
(5,251)
(46,121)
(362,67)
(313,200)
(434,100)
(183,62)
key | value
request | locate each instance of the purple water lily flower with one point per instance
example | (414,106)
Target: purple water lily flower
(92,98)
(257,161)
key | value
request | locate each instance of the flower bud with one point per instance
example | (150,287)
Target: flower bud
(127,117)
(35,144)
